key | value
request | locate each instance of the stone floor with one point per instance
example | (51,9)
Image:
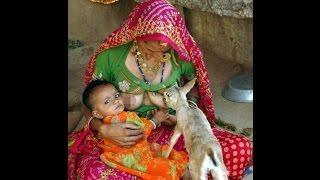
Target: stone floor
(248,177)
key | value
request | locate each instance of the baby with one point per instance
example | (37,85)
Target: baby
(106,103)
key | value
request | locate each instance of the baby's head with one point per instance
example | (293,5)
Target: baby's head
(103,99)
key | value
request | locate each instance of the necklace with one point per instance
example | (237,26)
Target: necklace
(142,62)
(142,73)
(143,66)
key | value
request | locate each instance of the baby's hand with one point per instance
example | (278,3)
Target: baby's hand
(155,147)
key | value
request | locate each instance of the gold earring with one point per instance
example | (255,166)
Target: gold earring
(166,57)
(164,44)
(134,47)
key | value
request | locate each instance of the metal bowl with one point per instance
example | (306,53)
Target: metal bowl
(239,89)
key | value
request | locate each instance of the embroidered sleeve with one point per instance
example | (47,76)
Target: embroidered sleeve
(187,70)
(101,71)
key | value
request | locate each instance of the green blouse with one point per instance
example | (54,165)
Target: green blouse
(110,66)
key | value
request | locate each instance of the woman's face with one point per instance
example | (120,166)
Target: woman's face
(153,49)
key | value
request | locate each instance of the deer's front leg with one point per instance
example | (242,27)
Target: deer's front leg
(173,141)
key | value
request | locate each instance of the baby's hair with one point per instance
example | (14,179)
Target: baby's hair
(89,90)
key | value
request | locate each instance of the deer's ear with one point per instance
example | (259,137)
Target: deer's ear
(187,87)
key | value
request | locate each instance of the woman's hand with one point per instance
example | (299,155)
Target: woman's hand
(171,121)
(124,134)
(160,115)
(164,117)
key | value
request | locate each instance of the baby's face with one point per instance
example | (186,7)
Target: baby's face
(107,101)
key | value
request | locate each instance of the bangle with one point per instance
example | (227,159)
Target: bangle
(154,124)
(158,124)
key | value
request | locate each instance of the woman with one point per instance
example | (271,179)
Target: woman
(149,53)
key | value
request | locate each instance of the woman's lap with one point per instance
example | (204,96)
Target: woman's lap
(236,150)
(237,155)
